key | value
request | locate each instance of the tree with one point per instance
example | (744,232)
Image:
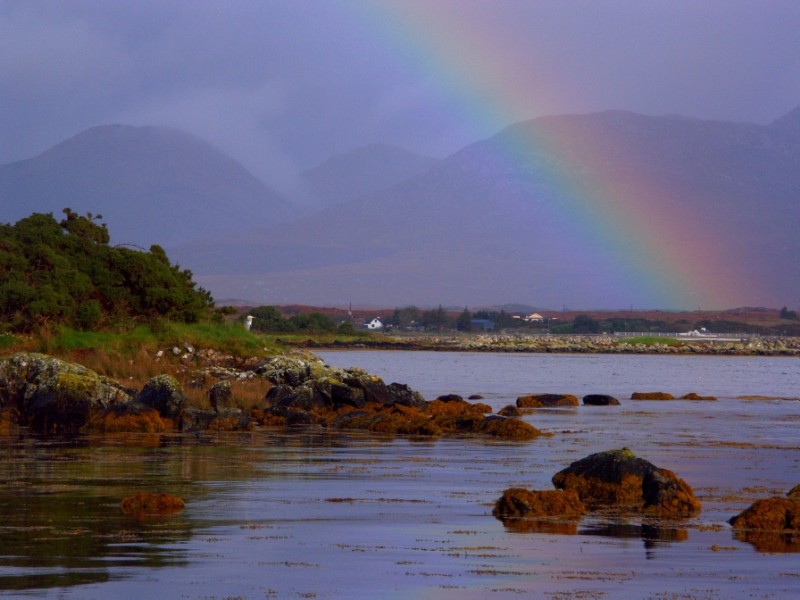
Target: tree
(464,321)
(585,324)
(788,314)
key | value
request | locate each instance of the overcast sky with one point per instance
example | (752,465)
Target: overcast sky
(283,84)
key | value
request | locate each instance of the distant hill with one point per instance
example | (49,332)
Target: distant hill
(363,171)
(493,224)
(152,185)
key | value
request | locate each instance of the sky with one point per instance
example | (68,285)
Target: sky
(283,85)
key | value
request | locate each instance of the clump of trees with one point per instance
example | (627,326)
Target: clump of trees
(268,319)
(65,272)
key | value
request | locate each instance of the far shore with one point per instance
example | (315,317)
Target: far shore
(551,343)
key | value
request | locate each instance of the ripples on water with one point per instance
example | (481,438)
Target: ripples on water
(333,515)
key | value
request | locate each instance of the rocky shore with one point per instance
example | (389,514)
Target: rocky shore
(587,344)
(47,395)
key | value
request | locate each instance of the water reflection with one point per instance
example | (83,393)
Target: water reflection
(771,541)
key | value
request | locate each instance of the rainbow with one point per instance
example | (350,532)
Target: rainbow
(476,65)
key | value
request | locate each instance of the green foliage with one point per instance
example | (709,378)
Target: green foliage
(651,341)
(790,315)
(585,324)
(464,321)
(268,319)
(65,273)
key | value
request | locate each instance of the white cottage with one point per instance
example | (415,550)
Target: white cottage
(374,324)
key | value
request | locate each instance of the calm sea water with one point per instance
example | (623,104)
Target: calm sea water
(316,514)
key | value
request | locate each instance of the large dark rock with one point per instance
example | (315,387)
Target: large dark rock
(220,396)
(400,393)
(52,395)
(600,400)
(618,478)
(770,524)
(165,394)
(652,396)
(546,400)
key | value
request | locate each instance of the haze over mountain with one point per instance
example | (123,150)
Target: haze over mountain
(153,185)
(364,171)
(501,221)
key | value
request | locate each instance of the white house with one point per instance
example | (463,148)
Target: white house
(374,324)
(534,318)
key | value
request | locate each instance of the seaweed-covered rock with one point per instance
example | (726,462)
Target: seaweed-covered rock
(794,492)
(165,394)
(520,502)
(600,400)
(619,478)
(52,395)
(221,419)
(131,417)
(770,514)
(546,400)
(509,411)
(695,396)
(652,396)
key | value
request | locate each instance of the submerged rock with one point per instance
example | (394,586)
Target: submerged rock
(618,478)
(695,396)
(652,396)
(146,504)
(546,400)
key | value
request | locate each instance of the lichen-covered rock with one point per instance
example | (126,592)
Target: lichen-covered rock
(54,396)
(652,396)
(600,400)
(220,395)
(546,400)
(520,502)
(165,394)
(619,478)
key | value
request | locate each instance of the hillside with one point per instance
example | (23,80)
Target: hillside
(152,184)
(363,171)
(546,213)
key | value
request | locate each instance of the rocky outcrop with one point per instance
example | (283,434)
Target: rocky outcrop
(618,478)
(53,396)
(546,400)
(314,393)
(600,400)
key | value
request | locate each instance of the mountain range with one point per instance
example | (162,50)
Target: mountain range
(499,221)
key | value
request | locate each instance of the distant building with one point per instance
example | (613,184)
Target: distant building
(374,324)
(481,325)
(533,318)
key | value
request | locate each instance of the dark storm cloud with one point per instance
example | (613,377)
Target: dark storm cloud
(282,85)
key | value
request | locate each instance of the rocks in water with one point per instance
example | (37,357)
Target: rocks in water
(546,400)
(771,524)
(146,505)
(509,411)
(520,502)
(220,419)
(694,396)
(770,514)
(652,396)
(618,478)
(600,400)
(131,417)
